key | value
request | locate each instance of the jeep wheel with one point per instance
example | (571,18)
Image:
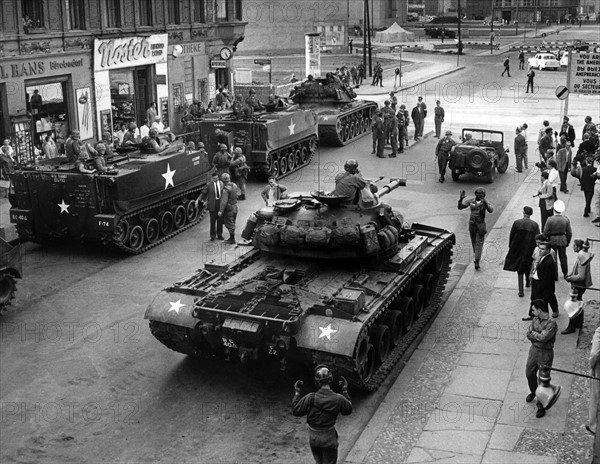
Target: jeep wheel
(491,175)
(503,164)
(477,159)
(455,176)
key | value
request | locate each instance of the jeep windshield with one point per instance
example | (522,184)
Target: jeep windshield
(484,137)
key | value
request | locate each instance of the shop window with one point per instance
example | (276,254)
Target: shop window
(112,13)
(77,14)
(174,12)
(33,15)
(47,104)
(199,11)
(145,12)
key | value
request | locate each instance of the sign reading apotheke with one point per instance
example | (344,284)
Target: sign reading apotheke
(126,52)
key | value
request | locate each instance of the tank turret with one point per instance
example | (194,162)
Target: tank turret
(324,226)
(342,118)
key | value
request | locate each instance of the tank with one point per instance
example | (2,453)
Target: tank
(276,142)
(148,199)
(350,286)
(342,118)
(10,270)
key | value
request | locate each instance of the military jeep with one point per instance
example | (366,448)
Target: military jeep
(481,152)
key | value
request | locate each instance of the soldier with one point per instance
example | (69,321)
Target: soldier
(393,133)
(321,410)
(99,153)
(401,130)
(222,160)
(350,182)
(558,230)
(228,209)
(73,146)
(406,122)
(477,227)
(203,152)
(239,171)
(253,103)
(439,115)
(379,134)
(388,115)
(153,143)
(442,153)
(376,128)
(130,136)
(393,100)
(81,162)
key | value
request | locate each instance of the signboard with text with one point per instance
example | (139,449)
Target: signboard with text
(584,73)
(218,64)
(127,52)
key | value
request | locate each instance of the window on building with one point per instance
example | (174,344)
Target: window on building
(221,10)
(199,12)
(238,10)
(112,13)
(228,10)
(174,12)
(145,12)
(77,14)
(33,14)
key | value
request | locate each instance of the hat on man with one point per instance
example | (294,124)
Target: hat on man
(559,206)
(565,118)
(586,245)
(549,130)
(448,132)
(528,210)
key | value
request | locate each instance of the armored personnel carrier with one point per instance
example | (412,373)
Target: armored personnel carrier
(275,142)
(10,270)
(148,199)
(342,118)
(326,282)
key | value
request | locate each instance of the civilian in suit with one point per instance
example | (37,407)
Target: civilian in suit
(543,277)
(212,197)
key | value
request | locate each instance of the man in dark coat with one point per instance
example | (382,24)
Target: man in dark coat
(520,149)
(521,244)
(587,181)
(418,114)
(211,196)
(568,130)
(543,278)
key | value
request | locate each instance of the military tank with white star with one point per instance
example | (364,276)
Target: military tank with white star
(147,199)
(327,281)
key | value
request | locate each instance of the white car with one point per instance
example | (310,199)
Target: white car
(544,61)
(564,59)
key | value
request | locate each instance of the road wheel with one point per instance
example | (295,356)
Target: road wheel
(304,155)
(365,360)
(136,238)
(407,306)
(165,220)
(275,171)
(339,129)
(503,164)
(179,217)
(418,299)
(121,231)
(298,157)
(151,230)
(192,211)
(283,166)
(477,159)
(8,287)
(394,323)
(291,160)
(381,342)
(426,281)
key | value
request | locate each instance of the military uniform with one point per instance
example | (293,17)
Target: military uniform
(442,153)
(229,208)
(221,162)
(439,115)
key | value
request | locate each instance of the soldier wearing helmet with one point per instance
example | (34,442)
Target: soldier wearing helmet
(131,136)
(477,227)
(253,103)
(349,183)
(442,153)
(321,409)
(239,171)
(73,146)
(222,160)
(153,143)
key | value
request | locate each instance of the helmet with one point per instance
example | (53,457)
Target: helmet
(480,190)
(222,147)
(251,91)
(152,132)
(448,132)
(100,146)
(132,126)
(238,150)
(559,206)
(200,145)
(75,133)
(191,145)
(323,375)
(351,166)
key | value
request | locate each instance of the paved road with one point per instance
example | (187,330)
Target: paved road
(83,379)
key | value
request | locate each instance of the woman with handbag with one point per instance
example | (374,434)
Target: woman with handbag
(580,279)
(477,227)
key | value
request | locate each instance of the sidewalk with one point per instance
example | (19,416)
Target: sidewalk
(461,396)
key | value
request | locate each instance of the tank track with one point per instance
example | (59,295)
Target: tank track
(310,144)
(110,240)
(345,366)
(348,127)
(8,288)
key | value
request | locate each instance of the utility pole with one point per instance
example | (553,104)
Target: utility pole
(365,6)
(459,37)
(368,35)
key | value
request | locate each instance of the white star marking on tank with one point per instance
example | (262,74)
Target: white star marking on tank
(64,208)
(292,127)
(326,332)
(176,306)
(169,177)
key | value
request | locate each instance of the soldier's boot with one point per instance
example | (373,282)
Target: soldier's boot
(520,280)
(476,262)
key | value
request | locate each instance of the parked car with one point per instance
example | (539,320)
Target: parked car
(564,59)
(544,61)
(444,20)
(482,153)
(579,45)
(436,32)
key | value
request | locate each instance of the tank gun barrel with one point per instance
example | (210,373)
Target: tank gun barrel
(392,185)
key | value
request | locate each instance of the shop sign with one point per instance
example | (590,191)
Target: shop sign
(37,67)
(128,52)
(218,64)
(196,48)
(160,79)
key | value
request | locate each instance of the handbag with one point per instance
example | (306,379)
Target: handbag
(576,170)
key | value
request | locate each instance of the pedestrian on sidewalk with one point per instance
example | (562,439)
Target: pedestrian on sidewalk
(594,385)
(546,195)
(586,179)
(580,279)
(542,335)
(520,149)
(558,231)
(418,115)
(378,133)
(567,129)
(321,409)
(525,134)
(477,227)
(439,115)
(361,73)
(442,153)
(563,163)
(506,67)
(522,60)
(543,276)
(521,245)
(350,44)
(211,197)
(354,75)
(393,101)
(396,78)
(530,76)
(596,197)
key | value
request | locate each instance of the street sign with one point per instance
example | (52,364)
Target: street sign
(218,64)
(584,76)
(262,61)
(267,67)
(562,92)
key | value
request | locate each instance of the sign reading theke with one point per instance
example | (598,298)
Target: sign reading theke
(585,73)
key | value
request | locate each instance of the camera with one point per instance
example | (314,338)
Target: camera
(542,166)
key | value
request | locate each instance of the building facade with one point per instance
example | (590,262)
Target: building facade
(527,11)
(92,65)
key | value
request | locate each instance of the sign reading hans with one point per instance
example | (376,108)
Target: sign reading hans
(126,52)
